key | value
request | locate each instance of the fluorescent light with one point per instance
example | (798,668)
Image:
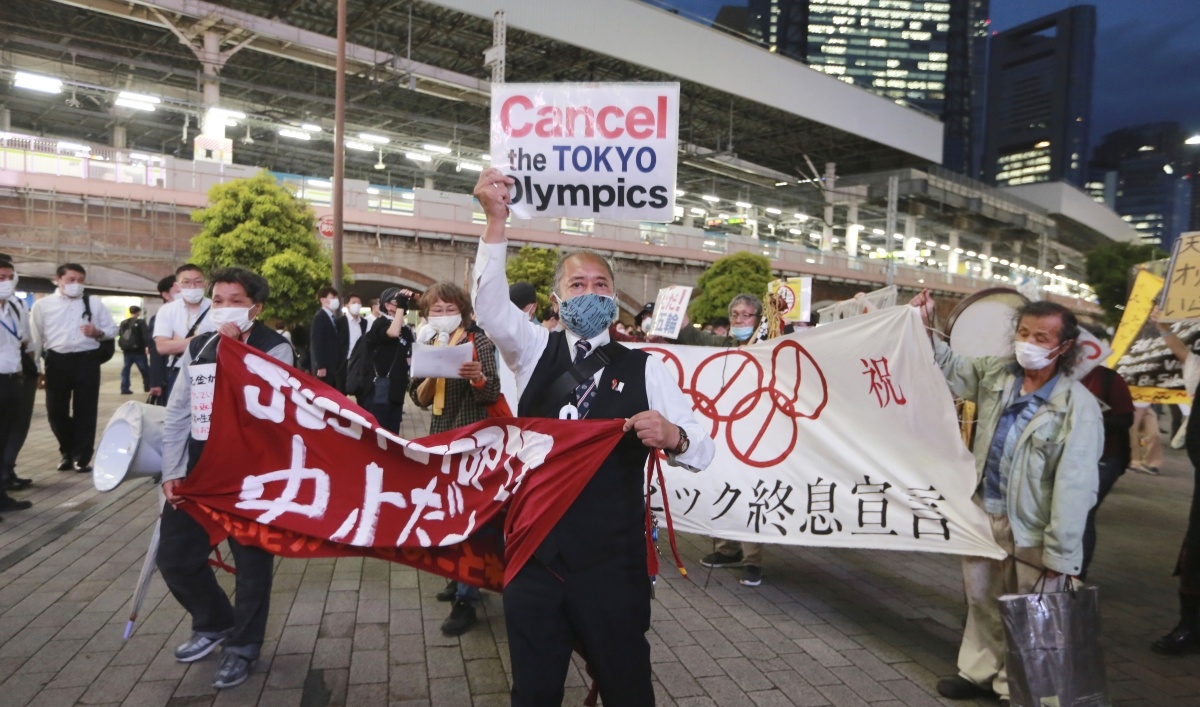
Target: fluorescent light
(1060,266)
(781,184)
(136,105)
(743,205)
(436,148)
(235,114)
(710,197)
(319,183)
(794,231)
(37,82)
(958,250)
(877,231)
(294,134)
(810,261)
(470,166)
(377,139)
(372,190)
(418,157)
(1042,144)
(138,156)
(73,146)
(311,127)
(140,97)
(680,192)
(698,212)
(362,146)
(930,243)
(407,195)
(486,158)
(944,247)
(773,210)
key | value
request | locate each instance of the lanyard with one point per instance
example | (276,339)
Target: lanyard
(10,329)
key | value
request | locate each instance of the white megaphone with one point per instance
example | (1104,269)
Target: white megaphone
(131,446)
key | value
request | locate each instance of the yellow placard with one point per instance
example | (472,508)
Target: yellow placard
(1146,287)
(1181,298)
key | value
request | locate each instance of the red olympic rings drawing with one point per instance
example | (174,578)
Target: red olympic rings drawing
(760,412)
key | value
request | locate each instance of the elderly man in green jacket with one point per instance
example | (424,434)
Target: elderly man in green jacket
(1038,441)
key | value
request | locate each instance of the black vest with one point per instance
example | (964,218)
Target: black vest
(607,519)
(261,337)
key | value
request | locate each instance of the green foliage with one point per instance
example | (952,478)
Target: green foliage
(1108,273)
(728,277)
(535,266)
(259,225)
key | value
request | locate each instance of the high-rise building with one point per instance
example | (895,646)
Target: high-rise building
(926,54)
(1040,100)
(1146,173)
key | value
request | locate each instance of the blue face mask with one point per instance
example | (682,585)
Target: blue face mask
(587,315)
(741,333)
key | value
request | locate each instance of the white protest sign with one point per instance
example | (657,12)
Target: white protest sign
(202,378)
(588,150)
(670,309)
(839,436)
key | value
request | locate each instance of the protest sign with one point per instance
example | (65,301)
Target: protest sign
(1139,355)
(670,309)
(588,150)
(1181,297)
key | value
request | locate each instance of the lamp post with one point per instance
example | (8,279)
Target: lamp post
(339,145)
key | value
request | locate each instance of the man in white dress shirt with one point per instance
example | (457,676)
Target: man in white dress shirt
(14,323)
(68,327)
(587,583)
(182,319)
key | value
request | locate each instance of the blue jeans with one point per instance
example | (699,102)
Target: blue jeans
(468,593)
(135,358)
(1111,469)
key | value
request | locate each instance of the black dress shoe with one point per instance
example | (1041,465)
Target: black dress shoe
(448,592)
(960,688)
(66,465)
(1184,638)
(16,483)
(83,468)
(11,504)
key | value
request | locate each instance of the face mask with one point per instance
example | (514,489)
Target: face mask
(741,333)
(239,316)
(192,295)
(354,309)
(73,289)
(1032,357)
(447,324)
(646,322)
(334,304)
(587,315)
(7,288)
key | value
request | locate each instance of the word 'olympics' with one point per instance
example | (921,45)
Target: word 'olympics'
(772,508)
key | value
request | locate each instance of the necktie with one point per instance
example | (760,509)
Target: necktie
(585,392)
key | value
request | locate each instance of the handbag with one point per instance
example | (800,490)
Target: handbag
(1053,652)
(108,347)
(382,385)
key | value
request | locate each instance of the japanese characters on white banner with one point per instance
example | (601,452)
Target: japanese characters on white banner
(670,309)
(588,150)
(839,436)
(202,377)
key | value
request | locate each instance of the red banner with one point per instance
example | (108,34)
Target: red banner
(295,468)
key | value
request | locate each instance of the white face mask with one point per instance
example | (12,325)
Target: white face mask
(72,289)
(447,324)
(8,287)
(192,295)
(1032,357)
(239,316)
(334,304)
(354,309)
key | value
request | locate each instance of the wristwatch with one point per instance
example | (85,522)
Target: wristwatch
(684,442)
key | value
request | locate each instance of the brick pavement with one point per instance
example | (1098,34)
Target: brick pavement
(827,627)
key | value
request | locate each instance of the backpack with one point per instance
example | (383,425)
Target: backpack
(360,375)
(129,338)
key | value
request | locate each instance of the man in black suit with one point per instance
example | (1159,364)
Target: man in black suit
(325,351)
(350,329)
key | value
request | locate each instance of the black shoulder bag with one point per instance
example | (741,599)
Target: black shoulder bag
(108,347)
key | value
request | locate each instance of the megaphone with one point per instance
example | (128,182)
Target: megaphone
(131,446)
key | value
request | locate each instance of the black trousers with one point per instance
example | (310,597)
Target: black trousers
(604,608)
(183,552)
(15,438)
(11,398)
(72,396)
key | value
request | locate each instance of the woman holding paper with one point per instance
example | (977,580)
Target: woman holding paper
(456,402)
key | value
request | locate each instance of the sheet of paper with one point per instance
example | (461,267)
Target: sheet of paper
(439,361)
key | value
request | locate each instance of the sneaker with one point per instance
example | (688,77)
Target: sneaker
(751,576)
(197,647)
(1151,470)
(462,618)
(448,592)
(233,670)
(717,559)
(960,688)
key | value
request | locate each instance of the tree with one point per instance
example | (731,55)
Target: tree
(257,224)
(535,266)
(728,277)
(1108,268)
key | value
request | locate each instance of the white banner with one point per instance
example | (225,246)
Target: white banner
(588,150)
(839,436)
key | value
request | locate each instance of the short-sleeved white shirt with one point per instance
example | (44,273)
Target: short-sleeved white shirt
(173,320)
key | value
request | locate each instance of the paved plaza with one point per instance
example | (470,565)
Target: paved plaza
(827,627)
